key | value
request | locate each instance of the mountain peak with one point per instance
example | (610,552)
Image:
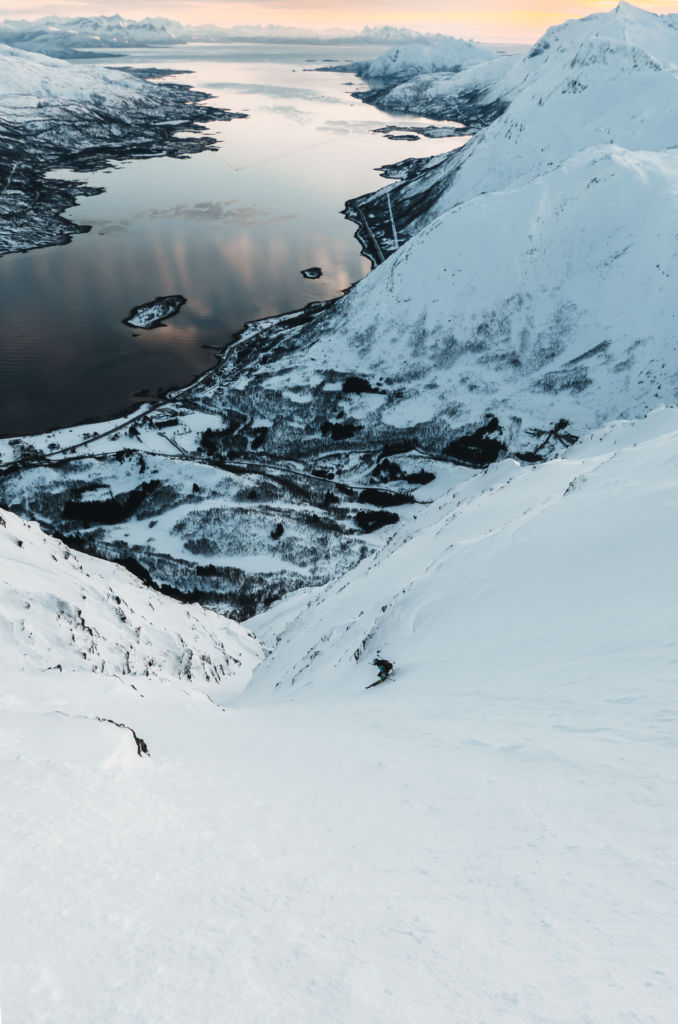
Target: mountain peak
(629,9)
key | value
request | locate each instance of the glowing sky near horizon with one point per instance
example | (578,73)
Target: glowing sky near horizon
(490,20)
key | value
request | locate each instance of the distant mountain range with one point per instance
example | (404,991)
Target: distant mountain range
(61,36)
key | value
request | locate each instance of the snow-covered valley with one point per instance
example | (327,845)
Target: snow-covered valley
(467,465)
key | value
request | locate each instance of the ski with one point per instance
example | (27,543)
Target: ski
(379,682)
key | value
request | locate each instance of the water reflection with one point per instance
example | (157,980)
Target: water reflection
(231,230)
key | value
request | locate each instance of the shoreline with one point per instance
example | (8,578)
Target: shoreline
(32,211)
(67,193)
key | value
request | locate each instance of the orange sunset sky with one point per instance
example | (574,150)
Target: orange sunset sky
(491,20)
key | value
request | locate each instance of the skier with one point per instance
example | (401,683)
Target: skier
(385,668)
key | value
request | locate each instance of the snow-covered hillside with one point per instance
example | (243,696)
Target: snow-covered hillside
(66,612)
(518,581)
(474,96)
(416,58)
(529,313)
(490,836)
(609,79)
(55,115)
(33,85)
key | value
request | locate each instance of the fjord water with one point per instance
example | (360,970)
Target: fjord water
(230,230)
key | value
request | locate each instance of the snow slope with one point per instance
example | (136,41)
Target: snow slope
(531,309)
(33,85)
(529,732)
(58,606)
(492,836)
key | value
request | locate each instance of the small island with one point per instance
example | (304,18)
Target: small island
(152,314)
(312,273)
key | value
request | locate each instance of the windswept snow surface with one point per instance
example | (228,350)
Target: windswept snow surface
(490,837)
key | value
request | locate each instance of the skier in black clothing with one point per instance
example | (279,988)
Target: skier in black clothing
(385,668)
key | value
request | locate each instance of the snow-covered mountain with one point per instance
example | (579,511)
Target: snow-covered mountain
(474,96)
(489,836)
(513,296)
(609,79)
(403,62)
(478,94)
(32,85)
(61,36)
(54,114)
(392,35)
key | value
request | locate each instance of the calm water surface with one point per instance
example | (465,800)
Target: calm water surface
(230,230)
